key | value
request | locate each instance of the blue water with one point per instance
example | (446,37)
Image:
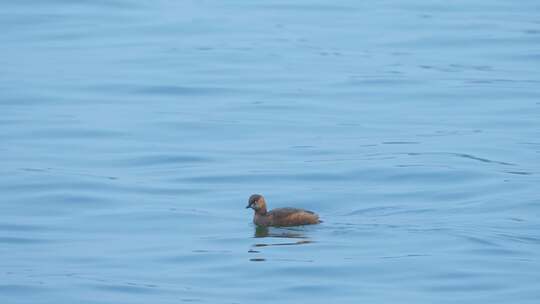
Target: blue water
(133,132)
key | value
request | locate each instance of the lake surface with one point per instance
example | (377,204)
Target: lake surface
(133,132)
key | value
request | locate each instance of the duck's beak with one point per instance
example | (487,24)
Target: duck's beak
(248,206)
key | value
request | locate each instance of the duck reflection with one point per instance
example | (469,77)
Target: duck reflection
(289,236)
(266,232)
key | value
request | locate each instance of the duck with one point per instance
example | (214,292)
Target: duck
(279,217)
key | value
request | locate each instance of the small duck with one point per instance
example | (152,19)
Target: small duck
(281,216)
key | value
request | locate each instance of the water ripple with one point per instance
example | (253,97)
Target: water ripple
(127,288)
(164,159)
(166,90)
(21,240)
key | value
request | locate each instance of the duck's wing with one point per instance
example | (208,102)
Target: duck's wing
(284,212)
(292,217)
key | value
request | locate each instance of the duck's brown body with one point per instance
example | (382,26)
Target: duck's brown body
(280,216)
(286,217)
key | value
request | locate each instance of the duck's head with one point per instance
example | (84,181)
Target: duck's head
(257,203)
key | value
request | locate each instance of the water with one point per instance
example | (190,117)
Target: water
(133,132)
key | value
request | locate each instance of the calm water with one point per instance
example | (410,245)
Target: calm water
(133,132)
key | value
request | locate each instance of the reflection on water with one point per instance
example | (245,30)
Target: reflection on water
(284,233)
(294,233)
(261,231)
(273,233)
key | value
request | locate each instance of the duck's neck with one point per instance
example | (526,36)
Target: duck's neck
(262,207)
(261,211)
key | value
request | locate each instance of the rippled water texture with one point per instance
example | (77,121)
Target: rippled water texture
(133,132)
